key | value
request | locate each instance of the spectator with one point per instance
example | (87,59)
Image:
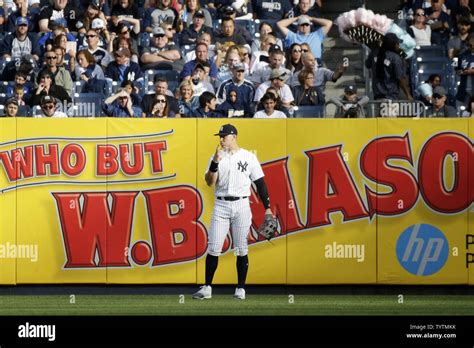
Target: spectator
(228,34)
(27,67)
(49,108)
(161,88)
(22,10)
(92,12)
(465,69)
(11,108)
(70,10)
(458,44)
(272,10)
(102,57)
(122,68)
(62,77)
(207,106)
(263,70)
(164,12)
(277,80)
(439,107)
(304,34)
(426,88)
(206,39)
(125,42)
(130,88)
(233,106)
(87,69)
(126,12)
(264,29)
(199,79)
(388,70)
(120,105)
(190,35)
(439,21)
(469,112)
(47,87)
(20,43)
(20,96)
(293,58)
(419,30)
(306,93)
(261,58)
(350,105)
(225,71)
(279,105)
(21,80)
(230,12)
(245,88)
(321,75)
(193,7)
(269,102)
(127,32)
(188,103)
(162,54)
(161,108)
(202,56)
(66,55)
(100,27)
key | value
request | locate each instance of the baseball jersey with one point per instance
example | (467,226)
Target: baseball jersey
(236,173)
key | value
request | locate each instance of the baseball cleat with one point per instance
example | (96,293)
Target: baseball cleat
(239,294)
(204,293)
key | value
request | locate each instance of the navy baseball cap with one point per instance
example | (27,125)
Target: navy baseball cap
(21,21)
(226,130)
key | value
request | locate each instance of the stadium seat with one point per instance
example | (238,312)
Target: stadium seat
(310,111)
(144,39)
(78,85)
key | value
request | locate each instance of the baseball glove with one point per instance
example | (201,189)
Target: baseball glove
(268,228)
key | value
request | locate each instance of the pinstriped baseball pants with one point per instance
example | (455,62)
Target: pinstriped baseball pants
(234,215)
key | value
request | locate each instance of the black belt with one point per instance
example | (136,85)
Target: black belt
(230,198)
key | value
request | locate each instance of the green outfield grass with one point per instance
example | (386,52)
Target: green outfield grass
(226,305)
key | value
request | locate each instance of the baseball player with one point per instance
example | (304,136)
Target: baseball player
(232,170)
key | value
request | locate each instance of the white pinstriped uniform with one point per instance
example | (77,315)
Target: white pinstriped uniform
(235,175)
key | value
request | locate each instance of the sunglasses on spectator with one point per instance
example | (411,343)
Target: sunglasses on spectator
(304,24)
(161,101)
(296,51)
(51,57)
(49,106)
(89,36)
(420,14)
(160,36)
(304,50)
(437,96)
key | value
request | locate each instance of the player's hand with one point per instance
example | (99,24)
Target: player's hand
(218,155)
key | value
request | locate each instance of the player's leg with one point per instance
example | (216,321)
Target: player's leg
(220,223)
(240,222)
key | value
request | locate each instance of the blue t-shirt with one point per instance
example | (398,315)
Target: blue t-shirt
(314,40)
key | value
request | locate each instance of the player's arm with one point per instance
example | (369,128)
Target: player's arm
(212,173)
(263,194)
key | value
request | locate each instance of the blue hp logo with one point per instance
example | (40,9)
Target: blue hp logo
(422,249)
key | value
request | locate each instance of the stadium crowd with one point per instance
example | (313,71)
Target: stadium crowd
(209,58)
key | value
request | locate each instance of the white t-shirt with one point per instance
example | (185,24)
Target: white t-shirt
(263,114)
(57,114)
(236,173)
(284,92)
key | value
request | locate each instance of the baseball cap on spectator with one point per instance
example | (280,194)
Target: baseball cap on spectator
(157,31)
(21,21)
(351,89)
(279,73)
(226,130)
(199,13)
(95,4)
(122,51)
(47,99)
(439,91)
(304,20)
(239,67)
(275,48)
(98,23)
(11,101)
(228,10)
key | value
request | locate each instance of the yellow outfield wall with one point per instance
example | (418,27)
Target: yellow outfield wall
(124,201)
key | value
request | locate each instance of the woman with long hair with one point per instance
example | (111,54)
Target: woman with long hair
(293,58)
(306,93)
(161,108)
(124,42)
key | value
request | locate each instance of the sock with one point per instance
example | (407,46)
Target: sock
(242,268)
(211,266)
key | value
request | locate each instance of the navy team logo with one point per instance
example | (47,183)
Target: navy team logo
(242,166)
(422,249)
